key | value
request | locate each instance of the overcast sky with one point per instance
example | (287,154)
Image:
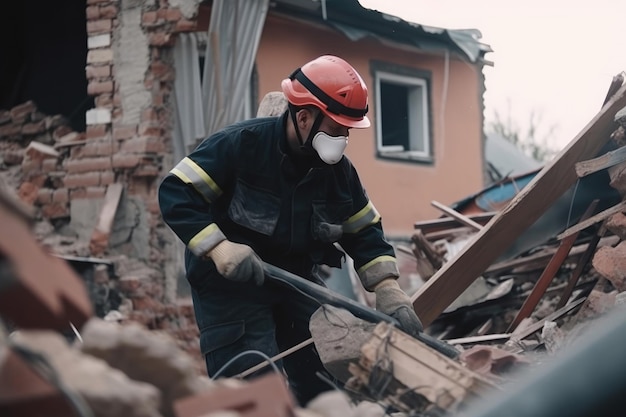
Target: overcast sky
(554,58)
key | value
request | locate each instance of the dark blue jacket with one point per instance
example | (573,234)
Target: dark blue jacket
(241,184)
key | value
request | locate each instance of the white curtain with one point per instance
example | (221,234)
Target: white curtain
(233,38)
(189,124)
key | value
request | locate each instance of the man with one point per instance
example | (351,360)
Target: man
(279,189)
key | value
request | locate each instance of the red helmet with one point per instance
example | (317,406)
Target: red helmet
(332,85)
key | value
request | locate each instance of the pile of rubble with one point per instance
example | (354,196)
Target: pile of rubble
(130,352)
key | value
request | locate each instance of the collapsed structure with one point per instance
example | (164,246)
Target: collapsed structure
(512,320)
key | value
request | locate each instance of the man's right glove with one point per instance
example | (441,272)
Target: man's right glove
(391,300)
(237,262)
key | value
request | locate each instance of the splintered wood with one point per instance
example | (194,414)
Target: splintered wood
(405,373)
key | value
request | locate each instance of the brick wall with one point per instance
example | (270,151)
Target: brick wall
(49,165)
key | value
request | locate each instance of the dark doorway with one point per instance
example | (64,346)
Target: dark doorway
(43,56)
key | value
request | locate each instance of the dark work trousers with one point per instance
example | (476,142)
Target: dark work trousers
(235,317)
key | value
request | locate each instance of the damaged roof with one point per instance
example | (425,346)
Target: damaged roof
(358,22)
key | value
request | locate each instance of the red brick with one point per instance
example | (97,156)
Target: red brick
(34,128)
(150,129)
(95,192)
(98,71)
(107,147)
(61,131)
(173,15)
(55,210)
(97,132)
(109,11)
(22,112)
(13,157)
(55,121)
(617,225)
(100,56)
(611,264)
(99,26)
(81,180)
(10,131)
(149,18)
(149,115)
(184,25)
(49,165)
(162,71)
(90,149)
(161,39)
(44,196)
(126,161)
(62,195)
(124,132)
(99,87)
(104,101)
(143,144)
(93,12)
(31,166)
(88,164)
(107,178)
(147,171)
(27,192)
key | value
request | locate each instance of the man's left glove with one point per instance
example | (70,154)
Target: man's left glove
(391,300)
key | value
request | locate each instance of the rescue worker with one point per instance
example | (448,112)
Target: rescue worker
(279,189)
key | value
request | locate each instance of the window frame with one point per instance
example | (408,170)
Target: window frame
(409,78)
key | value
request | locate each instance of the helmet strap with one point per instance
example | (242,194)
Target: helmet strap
(306,146)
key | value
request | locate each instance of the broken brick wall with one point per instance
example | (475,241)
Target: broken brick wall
(64,175)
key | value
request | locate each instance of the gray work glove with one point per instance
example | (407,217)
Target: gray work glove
(391,300)
(237,262)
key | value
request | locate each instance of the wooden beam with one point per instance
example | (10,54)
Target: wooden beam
(605,161)
(548,273)
(443,223)
(523,210)
(619,207)
(580,266)
(456,215)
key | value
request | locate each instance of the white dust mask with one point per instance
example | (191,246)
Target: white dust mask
(329,148)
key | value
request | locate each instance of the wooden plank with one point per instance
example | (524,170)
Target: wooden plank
(605,161)
(428,226)
(619,207)
(580,266)
(523,334)
(524,209)
(444,382)
(456,215)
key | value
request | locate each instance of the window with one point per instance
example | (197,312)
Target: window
(402,113)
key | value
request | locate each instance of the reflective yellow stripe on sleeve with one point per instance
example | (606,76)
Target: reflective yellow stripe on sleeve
(206,240)
(191,173)
(376,270)
(368,215)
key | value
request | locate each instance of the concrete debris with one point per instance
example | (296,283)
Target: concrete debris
(147,356)
(108,392)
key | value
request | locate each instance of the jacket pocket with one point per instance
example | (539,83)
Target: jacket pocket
(254,208)
(327,220)
(218,336)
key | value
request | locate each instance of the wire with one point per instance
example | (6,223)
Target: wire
(40,364)
(240,355)
(571,204)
